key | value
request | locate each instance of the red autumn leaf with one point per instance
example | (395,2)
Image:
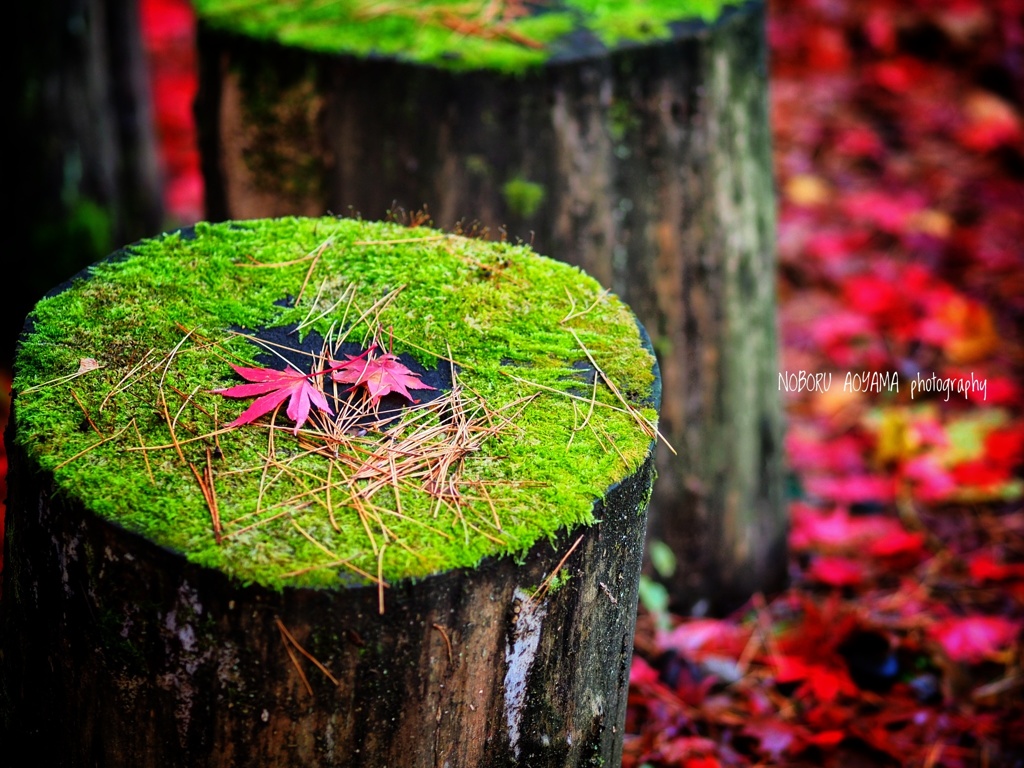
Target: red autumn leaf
(890,212)
(838,571)
(983,567)
(808,454)
(929,481)
(851,489)
(898,75)
(991,123)
(974,638)
(275,387)
(642,673)
(843,336)
(822,682)
(838,530)
(980,473)
(698,638)
(690,752)
(1005,446)
(860,141)
(880,30)
(826,739)
(827,50)
(1002,390)
(898,543)
(702,762)
(381,375)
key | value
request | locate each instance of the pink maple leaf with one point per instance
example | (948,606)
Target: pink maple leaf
(974,638)
(275,387)
(381,375)
(696,638)
(775,736)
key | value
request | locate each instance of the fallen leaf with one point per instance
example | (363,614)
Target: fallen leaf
(275,387)
(983,567)
(381,375)
(972,639)
(971,332)
(87,364)
(838,571)
(991,123)
(805,189)
(696,637)
(928,479)
(898,543)
(774,737)
(822,682)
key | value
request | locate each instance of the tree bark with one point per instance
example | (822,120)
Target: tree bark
(118,653)
(85,176)
(649,166)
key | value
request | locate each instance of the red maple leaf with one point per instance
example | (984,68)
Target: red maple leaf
(984,567)
(838,571)
(821,681)
(381,375)
(276,387)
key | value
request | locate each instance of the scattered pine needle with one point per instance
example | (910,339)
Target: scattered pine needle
(309,272)
(85,411)
(447,642)
(206,485)
(403,240)
(290,642)
(92,447)
(145,457)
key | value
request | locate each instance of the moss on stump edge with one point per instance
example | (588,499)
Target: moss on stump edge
(510,37)
(545,395)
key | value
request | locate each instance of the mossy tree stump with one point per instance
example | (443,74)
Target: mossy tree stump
(634,143)
(444,579)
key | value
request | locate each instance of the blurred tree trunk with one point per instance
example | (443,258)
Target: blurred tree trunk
(649,166)
(82,174)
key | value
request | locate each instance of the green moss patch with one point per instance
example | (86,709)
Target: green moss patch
(509,36)
(543,398)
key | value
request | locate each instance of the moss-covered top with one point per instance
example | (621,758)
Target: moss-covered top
(507,35)
(541,400)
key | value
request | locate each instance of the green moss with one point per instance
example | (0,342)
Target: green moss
(165,320)
(452,35)
(522,197)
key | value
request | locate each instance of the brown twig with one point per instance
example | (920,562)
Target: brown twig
(447,642)
(542,590)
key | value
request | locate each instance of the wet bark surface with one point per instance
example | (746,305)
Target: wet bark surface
(115,652)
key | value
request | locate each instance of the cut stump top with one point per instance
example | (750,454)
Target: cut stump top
(543,395)
(510,36)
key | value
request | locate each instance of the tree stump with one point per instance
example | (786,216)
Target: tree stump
(86,172)
(634,143)
(437,564)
